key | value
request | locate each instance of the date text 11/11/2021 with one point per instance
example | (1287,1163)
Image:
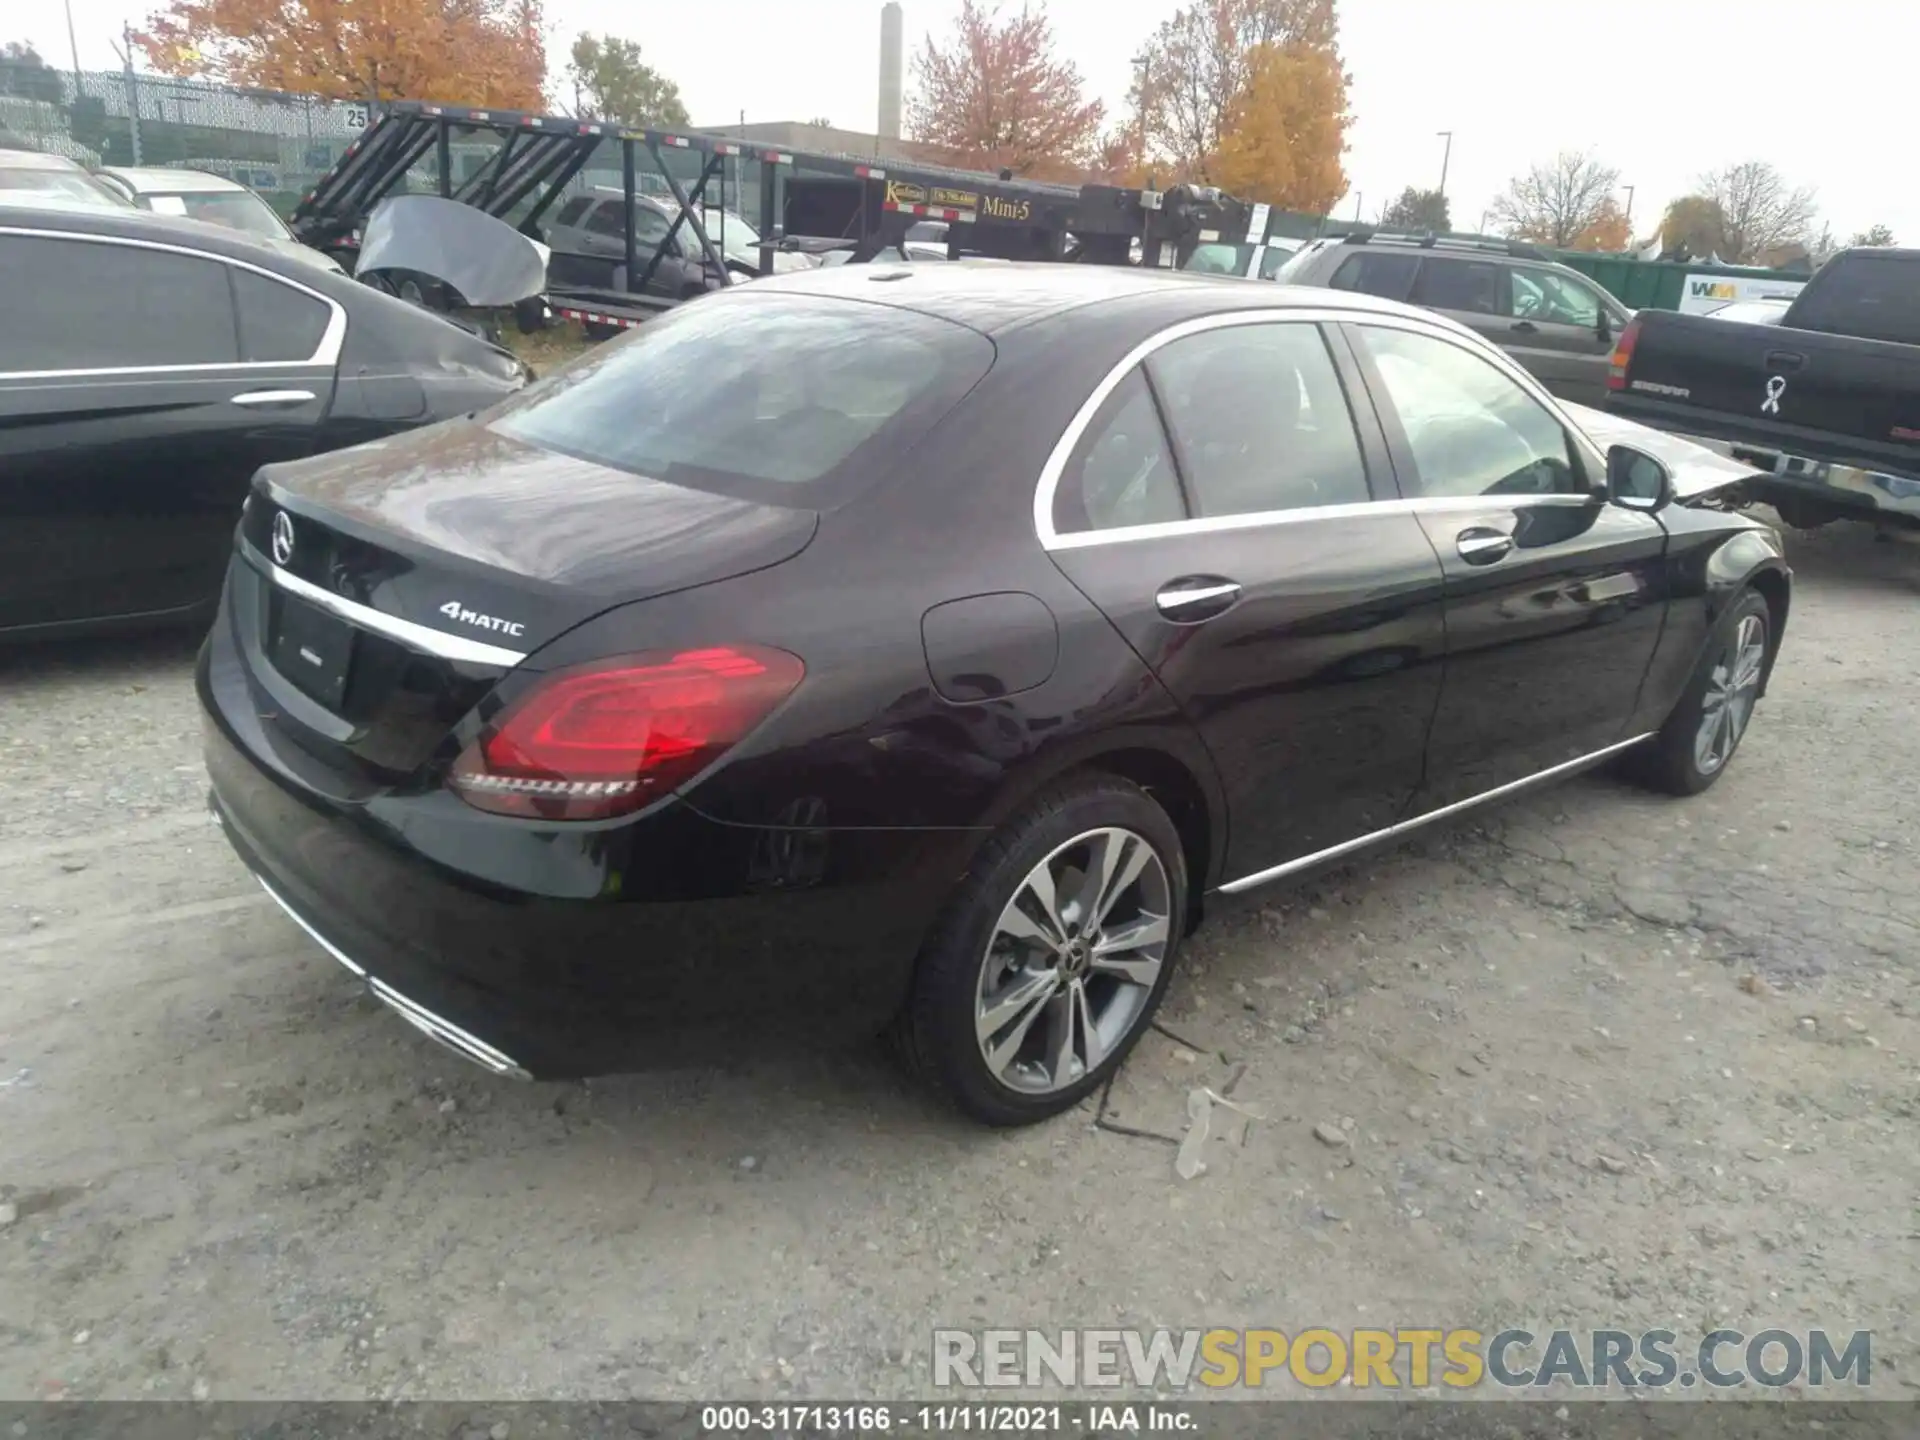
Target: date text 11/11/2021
(956,1419)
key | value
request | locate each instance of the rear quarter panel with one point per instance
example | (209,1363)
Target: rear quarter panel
(868,741)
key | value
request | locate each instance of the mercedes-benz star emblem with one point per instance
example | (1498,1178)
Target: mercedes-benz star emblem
(282,538)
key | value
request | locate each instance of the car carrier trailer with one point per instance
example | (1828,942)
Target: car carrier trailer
(518,167)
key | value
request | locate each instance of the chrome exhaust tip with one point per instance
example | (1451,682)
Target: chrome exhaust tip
(444,1032)
(435,1027)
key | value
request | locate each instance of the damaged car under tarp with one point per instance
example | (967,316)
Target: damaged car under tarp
(449,256)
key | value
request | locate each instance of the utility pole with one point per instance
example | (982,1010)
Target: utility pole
(73,45)
(1446,158)
(1629,190)
(1358,196)
(132,89)
(1143,60)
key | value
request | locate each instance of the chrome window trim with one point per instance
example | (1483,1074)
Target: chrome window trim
(1428,505)
(419,637)
(1432,327)
(326,353)
(1332,852)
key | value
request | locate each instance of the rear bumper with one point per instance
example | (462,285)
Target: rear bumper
(669,940)
(435,1027)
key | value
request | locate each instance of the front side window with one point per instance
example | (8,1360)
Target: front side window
(1542,295)
(1121,473)
(87,305)
(1472,429)
(605,220)
(708,395)
(649,226)
(1382,273)
(1259,419)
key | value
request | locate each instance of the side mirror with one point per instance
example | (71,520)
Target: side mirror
(1603,331)
(1637,481)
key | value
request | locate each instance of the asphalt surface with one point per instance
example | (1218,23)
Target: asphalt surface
(1592,1058)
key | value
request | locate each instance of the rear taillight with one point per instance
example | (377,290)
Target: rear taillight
(608,738)
(1622,355)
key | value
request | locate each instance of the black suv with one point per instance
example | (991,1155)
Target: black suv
(1551,319)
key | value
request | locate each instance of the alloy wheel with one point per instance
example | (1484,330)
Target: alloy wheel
(1732,687)
(1073,961)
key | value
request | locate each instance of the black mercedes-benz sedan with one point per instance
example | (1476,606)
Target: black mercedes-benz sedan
(148,367)
(915,648)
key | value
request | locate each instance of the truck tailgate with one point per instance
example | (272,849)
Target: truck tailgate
(1828,397)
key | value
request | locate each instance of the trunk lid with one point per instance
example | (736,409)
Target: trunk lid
(380,593)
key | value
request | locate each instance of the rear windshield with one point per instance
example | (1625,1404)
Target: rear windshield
(235,209)
(1875,297)
(750,393)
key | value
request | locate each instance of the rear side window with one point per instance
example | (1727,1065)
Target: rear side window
(1376,272)
(1260,419)
(572,211)
(86,305)
(605,220)
(1876,297)
(1121,473)
(710,395)
(277,322)
(1469,286)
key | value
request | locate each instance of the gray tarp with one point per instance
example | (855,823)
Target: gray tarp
(486,260)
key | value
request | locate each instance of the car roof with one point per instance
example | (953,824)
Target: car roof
(38,160)
(997,298)
(161,180)
(134,224)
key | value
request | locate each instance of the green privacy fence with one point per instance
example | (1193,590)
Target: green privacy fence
(1670,285)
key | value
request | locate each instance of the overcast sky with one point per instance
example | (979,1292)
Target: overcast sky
(1662,89)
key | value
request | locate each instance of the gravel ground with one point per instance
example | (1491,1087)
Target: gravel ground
(1594,1058)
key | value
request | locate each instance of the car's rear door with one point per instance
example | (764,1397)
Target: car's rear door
(1554,599)
(1227,502)
(1466,290)
(141,385)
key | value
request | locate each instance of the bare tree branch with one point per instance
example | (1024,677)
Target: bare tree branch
(1759,210)
(1557,200)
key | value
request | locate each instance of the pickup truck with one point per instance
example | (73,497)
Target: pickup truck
(1825,402)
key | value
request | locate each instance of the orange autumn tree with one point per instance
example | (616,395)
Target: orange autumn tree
(996,96)
(474,52)
(1286,130)
(1606,232)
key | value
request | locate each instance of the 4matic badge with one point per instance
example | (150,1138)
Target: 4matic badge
(454,610)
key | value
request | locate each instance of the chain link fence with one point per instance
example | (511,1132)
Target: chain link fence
(278,144)
(275,143)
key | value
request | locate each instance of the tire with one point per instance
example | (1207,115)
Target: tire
(973,962)
(1679,760)
(597,331)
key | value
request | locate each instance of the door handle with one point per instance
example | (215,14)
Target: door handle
(1524,327)
(1481,545)
(1786,361)
(267,399)
(1194,598)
